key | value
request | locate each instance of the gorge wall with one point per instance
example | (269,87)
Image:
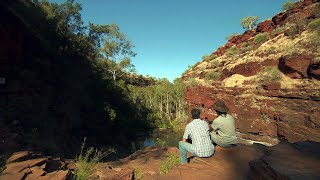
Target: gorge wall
(272,89)
(264,115)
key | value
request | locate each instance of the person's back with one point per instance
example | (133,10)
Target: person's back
(198,131)
(226,133)
(223,127)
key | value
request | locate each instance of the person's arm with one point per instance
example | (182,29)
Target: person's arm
(186,134)
(214,126)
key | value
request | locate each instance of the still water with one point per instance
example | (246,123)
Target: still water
(161,138)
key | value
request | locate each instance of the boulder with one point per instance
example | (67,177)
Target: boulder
(295,66)
(288,161)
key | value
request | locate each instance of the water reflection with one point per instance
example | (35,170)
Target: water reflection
(161,138)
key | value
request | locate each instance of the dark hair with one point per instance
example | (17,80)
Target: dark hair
(195,113)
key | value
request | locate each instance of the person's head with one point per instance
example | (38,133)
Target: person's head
(195,113)
(220,107)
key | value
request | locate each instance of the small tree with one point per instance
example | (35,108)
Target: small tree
(287,5)
(249,22)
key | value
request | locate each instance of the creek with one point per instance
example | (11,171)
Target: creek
(160,138)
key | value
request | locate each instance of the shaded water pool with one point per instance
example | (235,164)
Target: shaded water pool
(161,138)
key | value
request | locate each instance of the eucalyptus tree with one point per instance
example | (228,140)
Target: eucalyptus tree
(116,50)
(249,22)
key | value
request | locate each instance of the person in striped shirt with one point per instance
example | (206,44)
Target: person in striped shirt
(198,132)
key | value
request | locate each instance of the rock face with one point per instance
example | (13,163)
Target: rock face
(283,161)
(29,165)
(295,66)
(273,89)
(286,161)
(264,115)
(268,25)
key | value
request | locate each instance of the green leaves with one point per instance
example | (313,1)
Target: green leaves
(287,5)
(249,22)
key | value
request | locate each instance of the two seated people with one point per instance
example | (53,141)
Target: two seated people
(204,136)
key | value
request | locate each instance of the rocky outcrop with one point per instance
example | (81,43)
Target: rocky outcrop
(288,161)
(283,161)
(295,66)
(264,114)
(28,165)
(268,25)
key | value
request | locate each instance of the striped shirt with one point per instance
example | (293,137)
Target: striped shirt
(198,131)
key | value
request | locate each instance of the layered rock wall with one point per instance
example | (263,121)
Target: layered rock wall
(264,115)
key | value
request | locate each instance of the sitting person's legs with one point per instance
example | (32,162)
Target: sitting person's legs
(185,147)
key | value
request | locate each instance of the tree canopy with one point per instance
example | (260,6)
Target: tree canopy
(287,5)
(249,22)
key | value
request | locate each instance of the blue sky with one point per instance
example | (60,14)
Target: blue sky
(169,35)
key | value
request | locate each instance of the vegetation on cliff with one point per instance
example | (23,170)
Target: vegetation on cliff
(295,34)
(74,81)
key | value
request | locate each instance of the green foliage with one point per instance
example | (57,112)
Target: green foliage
(314,25)
(192,82)
(249,22)
(265,116)
(213,75)
(261,38)
(65,91)
(209,58)
(314,40)
(214,64)
(278,30)
(287,5)
(232,51)
(292,31)
(165,101)
(231,36)
(171,161)
(296,24)
(271,50)
(138,173)
(86,162)
(246,47)
(270,74)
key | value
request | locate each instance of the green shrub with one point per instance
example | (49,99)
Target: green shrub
(287,5)
(171,161)
(292,31)
(265,116)
(261,38)
(209,58)
(314,40)
(245,44)
(231,36)
(86,162)
(214,64)
(278,30)
(314,25)
(213,75)
(246,47)
(138,173)
(271,50)
(234,50)
(270,74)
(192,82)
